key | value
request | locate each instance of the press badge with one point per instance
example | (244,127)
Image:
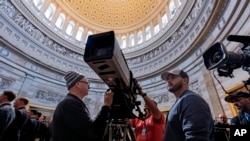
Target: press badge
(144,130)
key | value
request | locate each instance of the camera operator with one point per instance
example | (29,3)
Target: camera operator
(152,128)
(71,120)
(241,101)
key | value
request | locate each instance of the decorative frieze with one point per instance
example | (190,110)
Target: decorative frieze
(142,60)
(5,83)
(34,32)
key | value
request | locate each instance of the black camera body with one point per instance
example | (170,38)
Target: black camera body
(104,56)
(218,57)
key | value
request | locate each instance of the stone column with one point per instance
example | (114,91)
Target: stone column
(56,15)
(176,3)
(66,23)
(75,29)
(45,6)
(136,37)
(159,19)
(213,94)
(168,12)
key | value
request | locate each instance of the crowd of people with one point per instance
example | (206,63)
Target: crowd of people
(19,124)
(189,118)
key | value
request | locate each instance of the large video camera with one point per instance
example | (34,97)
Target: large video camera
(104,56)
(225,62)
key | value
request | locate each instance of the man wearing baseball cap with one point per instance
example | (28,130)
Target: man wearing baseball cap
(241,101)
(190,117)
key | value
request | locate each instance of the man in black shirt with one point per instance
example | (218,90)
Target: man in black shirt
(71,120)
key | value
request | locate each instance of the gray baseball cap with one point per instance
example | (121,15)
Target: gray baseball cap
(180,73)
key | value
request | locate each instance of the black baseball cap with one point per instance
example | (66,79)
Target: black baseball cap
(180,73)
(232,96)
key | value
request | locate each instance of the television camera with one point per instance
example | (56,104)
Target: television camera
(104,56)
(225,61)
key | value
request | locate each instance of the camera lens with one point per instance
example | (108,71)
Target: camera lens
(217,57)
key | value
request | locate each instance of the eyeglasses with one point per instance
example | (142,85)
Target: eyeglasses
(88,83)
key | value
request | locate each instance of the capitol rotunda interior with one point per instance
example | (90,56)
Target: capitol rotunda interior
(41,40)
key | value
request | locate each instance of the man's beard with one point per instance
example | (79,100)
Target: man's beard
(175,88)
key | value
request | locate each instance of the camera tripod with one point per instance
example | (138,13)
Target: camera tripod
(119,130)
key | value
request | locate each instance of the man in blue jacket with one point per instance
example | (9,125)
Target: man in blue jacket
(190,118)
(71,120)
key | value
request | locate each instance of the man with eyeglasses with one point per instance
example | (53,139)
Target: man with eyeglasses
(71,120)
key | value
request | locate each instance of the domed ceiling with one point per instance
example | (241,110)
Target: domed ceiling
(115,14)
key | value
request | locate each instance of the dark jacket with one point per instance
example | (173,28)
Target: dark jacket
(13,132)
(189,119)
(7,116)
(240,119)
(30,130)
(71,121)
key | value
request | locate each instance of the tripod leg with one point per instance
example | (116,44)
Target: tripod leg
(131,134)
(110,133)
(118,132)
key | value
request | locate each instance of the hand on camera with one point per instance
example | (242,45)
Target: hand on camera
(140,91)
(108,98)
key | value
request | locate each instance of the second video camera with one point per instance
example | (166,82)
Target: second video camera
(225,62)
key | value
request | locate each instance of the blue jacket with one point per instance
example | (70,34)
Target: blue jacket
(12,133)
(189,119)
(240,119)
(7,116)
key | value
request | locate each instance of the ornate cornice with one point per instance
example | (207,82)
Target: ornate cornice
(172,46)
(48,29)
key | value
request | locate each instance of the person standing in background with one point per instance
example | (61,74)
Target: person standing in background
(222,121)
(7,113)
(13,133)
(221,128)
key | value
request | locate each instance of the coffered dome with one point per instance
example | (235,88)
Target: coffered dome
(40,40)
(113,13)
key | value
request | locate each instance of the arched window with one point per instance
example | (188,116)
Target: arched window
(140,37)
(89,33)
(70,28)
(164,20)
(132,40)
(38,3)
(124,44)
(172,8)
(60,20)
(157,29)
(79,34)
(148,33)
(50,11)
